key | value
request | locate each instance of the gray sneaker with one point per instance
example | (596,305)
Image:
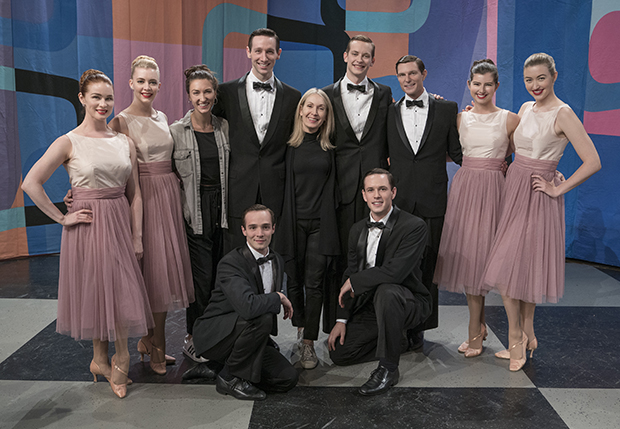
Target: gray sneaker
(308,358)
(190,351)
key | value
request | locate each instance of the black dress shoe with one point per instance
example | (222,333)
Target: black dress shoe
(416,340)
(201,371)
(273,344)
(380,381)
(240,389)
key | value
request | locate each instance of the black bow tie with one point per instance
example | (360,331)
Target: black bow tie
(411,103)
(261,85)
(269,257)
(379,225)
(360,88)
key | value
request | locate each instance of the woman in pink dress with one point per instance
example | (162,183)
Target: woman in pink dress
(166,263)
(474,201)
(101,293)
(526,263)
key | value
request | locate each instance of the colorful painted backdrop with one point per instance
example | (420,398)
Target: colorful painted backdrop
(45,45)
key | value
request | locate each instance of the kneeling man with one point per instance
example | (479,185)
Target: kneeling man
(382,295)
(235,327)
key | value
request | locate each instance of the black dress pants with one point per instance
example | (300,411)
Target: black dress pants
(250,356)
(377,330)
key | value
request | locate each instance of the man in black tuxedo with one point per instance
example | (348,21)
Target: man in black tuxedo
(382,294)
(260,110)
(360,113)
(421,134)
(235,328)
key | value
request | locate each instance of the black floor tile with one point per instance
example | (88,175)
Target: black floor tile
(51,356)
(451,298)
(318,407)
(34,277)
(577,346)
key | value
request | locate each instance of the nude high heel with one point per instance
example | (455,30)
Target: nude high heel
(145,348)
(473,352)
(158,367)
(517,364)
(531,346)
(465,344)
(119,390)
(95,370)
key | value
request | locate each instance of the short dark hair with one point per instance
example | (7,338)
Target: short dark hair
(375,171)
(259,208)
(361,38)
(411,59)
(268,32)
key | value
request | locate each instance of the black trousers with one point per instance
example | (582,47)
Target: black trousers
(428,263)
(205,252)
(346,216)
(307,274)
(250,356)
(377,331)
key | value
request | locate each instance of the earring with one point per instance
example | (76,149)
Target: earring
(215,101)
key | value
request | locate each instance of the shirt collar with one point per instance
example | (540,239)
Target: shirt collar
(255,253)
(423,97)
(252,78)
(385,218)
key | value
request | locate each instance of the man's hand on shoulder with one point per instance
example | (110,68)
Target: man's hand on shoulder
(286,305)
(338,331)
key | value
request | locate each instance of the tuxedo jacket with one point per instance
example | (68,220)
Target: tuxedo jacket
(421,178)
(356,157)
(238,293)
(399,253)
(256,167)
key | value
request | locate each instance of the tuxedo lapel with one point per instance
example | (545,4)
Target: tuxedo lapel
(244,106)
(361,249)
(275,113)
(276,274)
(385,235)
(245,251)
(340,112)
(429,121)
(374,107)
(399,125)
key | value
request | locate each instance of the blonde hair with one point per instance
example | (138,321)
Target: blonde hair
(144,62)
(540,59)
(325,130)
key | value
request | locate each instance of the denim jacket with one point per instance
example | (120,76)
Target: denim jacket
(186,163)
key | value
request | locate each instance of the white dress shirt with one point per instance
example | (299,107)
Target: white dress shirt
(261,103)
(374,236)
(266,270)
(357,104)
(414,120)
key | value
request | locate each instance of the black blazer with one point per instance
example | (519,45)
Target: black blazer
(286,239)
(238,293)
(354,157)
(421,178)
(399,253)
(255,167)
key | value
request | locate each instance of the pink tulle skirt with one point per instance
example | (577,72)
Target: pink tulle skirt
(469,226)
(527,257)
(166,264)
(101,292)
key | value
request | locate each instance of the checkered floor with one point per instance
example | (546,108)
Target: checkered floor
(572,381)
